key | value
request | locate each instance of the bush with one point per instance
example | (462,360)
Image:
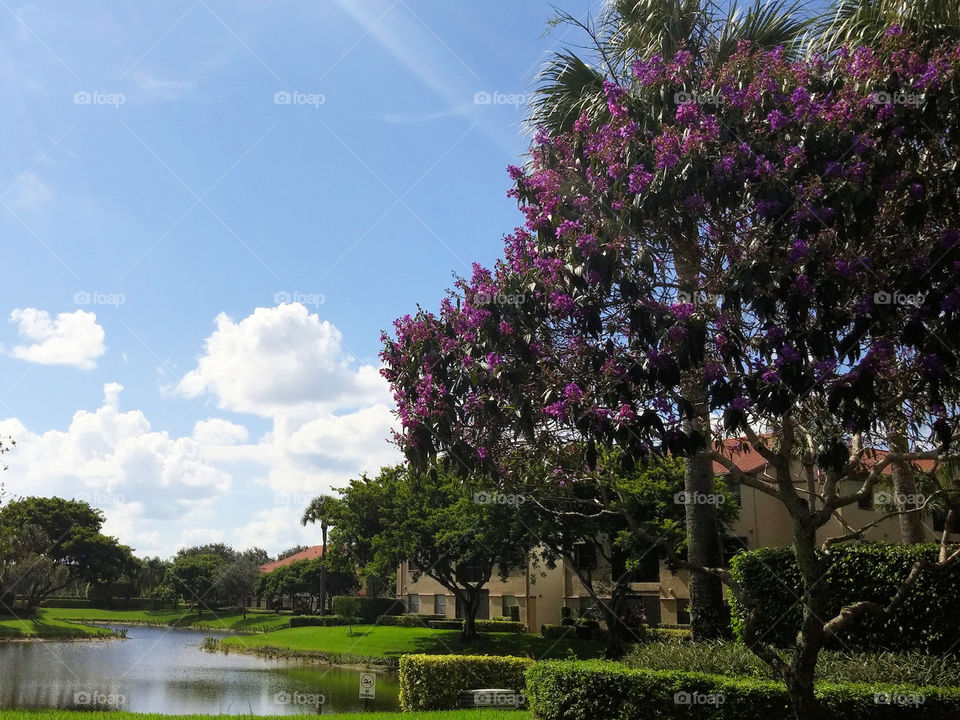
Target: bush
(370,608)
(317,621)
(434,682)
(555,632)
(408,620)
(668,634)
(446,624)
(861,572)
(63,602)
(595,690)
(500,626)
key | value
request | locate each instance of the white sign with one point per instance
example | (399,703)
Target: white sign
(368,686)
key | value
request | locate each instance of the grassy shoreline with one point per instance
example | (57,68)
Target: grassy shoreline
(43,628)
(227,621)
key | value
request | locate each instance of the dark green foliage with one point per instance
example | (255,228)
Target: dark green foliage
(434,682)
(861,572)
(594,690)
(368,609)
(317,620)
(408,620)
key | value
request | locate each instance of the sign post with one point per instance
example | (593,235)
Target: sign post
(368,686)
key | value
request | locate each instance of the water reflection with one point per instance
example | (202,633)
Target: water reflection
(164,670)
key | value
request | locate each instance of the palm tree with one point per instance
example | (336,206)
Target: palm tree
(865,22)
(320,510)
(631,30)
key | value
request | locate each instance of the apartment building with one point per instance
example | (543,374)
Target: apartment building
(538,592)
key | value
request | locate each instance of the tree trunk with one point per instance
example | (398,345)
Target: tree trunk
(800,675)
(471,604)
(905,490)
(323,571)
(615,627)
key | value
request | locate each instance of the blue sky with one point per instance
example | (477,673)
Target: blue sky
(208,212)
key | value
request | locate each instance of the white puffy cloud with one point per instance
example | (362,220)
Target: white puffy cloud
(280,360)
(69,339)
(217,431)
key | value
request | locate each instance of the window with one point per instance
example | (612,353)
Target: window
(471,571)
(413,603)
(511,608)
(440,605)
(412,566)
(683,612)
(585,556)
(733,545)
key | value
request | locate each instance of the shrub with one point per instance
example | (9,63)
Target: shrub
(63,602)
(434,682)
(668,634)
(317,620)
(408,620)
(555,632)
(861,572)
(446,624)
(594,690)
(369,608)
(500,626)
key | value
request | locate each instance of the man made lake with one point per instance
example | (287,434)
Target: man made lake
(159,669)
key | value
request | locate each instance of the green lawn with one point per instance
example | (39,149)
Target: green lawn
(388,643)
(43,626)
(120,715)
(227,620)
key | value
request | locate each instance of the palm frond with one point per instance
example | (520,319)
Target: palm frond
(767,24)
(864,22)
(567,87)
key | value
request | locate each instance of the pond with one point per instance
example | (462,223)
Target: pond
(159,669)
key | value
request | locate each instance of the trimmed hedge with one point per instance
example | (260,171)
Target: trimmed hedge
(596,690)
(316,621)
(408,620)
(511,626)
(434,682)
(668,634)
(369,608)
(555,632)
(114,604)
(446,625)
(860,572)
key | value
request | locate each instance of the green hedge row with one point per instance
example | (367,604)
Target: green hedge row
(861,572)
(369,608)
(481,625)
(583,632)
(114,604)
(597,690)
(316,621)
(408,620)
(434,682)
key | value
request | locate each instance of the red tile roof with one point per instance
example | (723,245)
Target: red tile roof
(309,554)
(748,460)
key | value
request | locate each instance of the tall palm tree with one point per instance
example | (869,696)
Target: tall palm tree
(864,22)
(320,510)
(631,30)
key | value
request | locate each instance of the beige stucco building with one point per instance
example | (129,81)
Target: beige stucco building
(539,592)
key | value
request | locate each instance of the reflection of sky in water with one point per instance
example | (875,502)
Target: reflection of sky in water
(164,670)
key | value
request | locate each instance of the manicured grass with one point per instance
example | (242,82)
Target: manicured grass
(119,715)
(46,627)
(387,643)
(226,620)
